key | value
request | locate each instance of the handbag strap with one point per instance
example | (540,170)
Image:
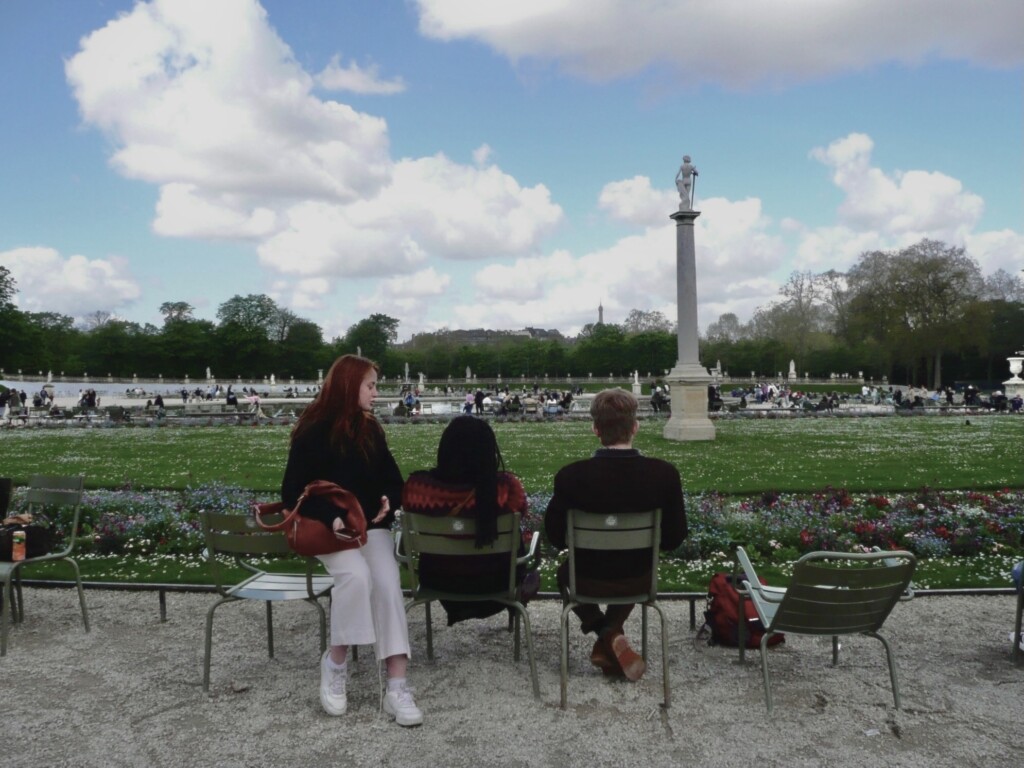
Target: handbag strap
(289,515)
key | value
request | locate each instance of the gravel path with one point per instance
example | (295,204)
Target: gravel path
(129,694)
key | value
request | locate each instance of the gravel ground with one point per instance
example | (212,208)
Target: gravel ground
(129,693)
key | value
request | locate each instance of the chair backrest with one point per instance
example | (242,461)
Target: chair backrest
(614,532)
(58,491)
(835,593)
(239,536)
(456,537)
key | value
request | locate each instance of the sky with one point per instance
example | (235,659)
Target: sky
(475,164)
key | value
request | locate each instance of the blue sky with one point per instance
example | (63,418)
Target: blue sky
(463,163)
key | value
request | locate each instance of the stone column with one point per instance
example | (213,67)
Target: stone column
(688,380)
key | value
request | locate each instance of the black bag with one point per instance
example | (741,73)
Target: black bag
(39,540)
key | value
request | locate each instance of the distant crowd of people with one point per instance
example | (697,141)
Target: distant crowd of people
(502,401)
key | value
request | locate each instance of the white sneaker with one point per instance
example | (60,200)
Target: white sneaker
(401,706)
(332,687)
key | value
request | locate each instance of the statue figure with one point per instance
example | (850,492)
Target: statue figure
(685,182)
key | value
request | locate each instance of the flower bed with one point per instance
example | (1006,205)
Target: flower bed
(780,527)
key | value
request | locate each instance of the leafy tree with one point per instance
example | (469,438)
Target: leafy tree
(1002,286)
(96,319)
(176,310)
(302,351)
(256,314)
(114,347)
(372,335)
(915,301)
(602,352)
(55,342)
(835,296)
(652,352)
(638,321)
(281,324)
(727,328)
(8,289)
(187,346)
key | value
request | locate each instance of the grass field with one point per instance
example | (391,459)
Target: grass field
(748,456)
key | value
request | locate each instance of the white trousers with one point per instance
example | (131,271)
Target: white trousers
(367,606)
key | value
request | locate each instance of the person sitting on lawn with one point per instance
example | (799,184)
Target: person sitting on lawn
(616,480)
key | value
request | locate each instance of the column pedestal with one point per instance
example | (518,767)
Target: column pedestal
(688,419)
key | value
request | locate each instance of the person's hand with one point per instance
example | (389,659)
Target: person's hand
(385,507)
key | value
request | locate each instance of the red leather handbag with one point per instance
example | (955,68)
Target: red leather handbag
(307,536)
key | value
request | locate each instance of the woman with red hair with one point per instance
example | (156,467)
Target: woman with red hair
(338,439)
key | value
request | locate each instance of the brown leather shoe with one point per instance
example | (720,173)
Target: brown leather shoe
(603,658)
(632,664)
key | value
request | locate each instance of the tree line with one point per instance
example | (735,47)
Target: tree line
(919,315)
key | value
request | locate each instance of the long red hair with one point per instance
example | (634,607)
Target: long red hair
(337,403)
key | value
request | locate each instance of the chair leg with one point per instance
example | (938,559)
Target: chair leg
(1017,626)
(521,611)
(892,667)
(208,644)
(5,617)
(664,655)
(764,672)
(565,653)
(323,623)
(270,628)
(643,632)
(835,650)
(18,604)
(430,634)
(81,593)
(741,629)
(515,640)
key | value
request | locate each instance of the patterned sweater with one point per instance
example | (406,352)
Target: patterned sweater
(424,494)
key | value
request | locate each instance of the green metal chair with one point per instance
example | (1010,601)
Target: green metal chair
(44,492)
(455,537)
(612,533)
(239,538)
(830,594)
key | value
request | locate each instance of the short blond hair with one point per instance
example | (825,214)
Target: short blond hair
(614,414)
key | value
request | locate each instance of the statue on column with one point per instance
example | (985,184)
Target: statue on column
(685,182)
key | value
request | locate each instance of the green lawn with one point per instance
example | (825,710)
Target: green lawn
(748,456)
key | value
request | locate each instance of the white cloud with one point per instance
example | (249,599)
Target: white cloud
(208,94)
(482,155)
(407,295)
(209,104)
(1003,249)
(432,208)
(736,256)
(733,42)
(74,286)
(356,79)
(184,210)
(635,201)
(905,206)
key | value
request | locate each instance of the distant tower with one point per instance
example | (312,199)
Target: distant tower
(600,314)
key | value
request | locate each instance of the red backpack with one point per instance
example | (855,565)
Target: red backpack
(722,615)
